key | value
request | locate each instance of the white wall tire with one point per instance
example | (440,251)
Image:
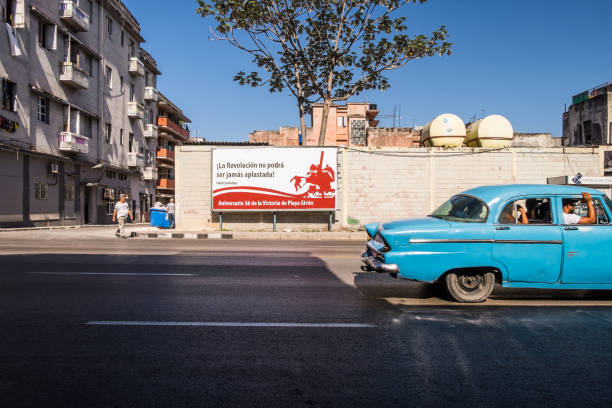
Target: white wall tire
(469,287)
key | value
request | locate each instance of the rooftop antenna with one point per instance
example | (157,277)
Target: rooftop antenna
(399,116)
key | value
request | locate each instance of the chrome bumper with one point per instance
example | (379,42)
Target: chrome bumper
(374,264)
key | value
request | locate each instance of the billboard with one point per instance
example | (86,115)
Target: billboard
(274,179)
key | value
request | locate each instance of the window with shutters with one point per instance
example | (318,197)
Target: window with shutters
(47,35)
(43,109)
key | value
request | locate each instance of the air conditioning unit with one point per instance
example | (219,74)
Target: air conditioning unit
(53,168)
(109,193)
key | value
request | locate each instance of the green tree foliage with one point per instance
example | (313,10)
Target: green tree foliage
(321,50)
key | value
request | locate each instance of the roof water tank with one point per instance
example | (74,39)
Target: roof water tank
(492,132)
(446,130)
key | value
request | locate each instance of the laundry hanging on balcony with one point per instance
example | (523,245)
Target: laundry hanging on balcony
(13,44)
(8,125)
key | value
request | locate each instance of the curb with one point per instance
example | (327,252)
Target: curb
(323,236)
(178,235)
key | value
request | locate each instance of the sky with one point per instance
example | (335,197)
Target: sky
(523,59)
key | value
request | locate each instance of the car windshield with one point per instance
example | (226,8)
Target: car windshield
(462,208)
(608,202)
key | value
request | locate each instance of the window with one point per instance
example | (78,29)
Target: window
(41,190)
(47,35)
(121,137)
(109,28)
(109,77)
(91,11)
(107,133)
(122,176)
(121,83)
(462,208)
(581,209)
(132,92)
(14,13)
(43,109)
(122,38)
(86,126)
(537,210)
(110,207)
(131,143)
(88,64)
(132,49)
(8,95)
(69,192)
(341,121)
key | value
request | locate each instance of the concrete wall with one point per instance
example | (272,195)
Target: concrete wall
(384,184)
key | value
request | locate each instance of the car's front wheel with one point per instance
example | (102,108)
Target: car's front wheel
(469,286)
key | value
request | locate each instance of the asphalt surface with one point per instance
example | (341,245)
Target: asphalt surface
(99,322)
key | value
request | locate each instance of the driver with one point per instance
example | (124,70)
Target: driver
(568,212)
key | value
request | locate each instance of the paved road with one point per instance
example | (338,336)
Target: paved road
(123,323)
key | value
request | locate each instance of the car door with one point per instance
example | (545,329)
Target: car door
(530,252)
(587,247)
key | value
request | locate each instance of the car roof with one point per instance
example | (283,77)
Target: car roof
(503,192)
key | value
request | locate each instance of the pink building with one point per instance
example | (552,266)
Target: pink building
(353,124)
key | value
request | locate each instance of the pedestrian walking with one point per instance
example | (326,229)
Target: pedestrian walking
(170,211)
(122,210)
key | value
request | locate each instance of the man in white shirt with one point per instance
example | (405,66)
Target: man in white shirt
(170,211)
(122,210)
(570,218)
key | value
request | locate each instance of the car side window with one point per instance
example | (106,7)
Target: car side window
(582,210)
(536,209)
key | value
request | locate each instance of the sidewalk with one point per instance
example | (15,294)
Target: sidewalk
(144,231)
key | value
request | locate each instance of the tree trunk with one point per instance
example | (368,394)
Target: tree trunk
(302,122)
(326,105)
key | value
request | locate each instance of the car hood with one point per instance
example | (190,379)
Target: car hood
(417,224)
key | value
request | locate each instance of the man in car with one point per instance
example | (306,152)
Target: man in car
(568,212)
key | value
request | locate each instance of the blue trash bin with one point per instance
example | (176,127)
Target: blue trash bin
(158,218)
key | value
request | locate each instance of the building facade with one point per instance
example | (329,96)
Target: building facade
(353,124)
(588,120)
(172,132)
(78,114)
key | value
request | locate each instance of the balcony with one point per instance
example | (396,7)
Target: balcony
(74,76)
(151,94)
(165,184)
(70,142)
(135,160)
(168,125)
(136,66)
(149,173)
(165,154)
(72,15)
(135,110)
(150,131)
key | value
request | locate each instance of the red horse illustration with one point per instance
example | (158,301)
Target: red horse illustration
(320,180)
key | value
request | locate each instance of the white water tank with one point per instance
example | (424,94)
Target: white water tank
(492,132)
(446,130)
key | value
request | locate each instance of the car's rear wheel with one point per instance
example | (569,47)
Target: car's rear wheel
(469,286)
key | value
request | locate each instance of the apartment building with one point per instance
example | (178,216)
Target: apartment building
(172,132)
(77,118)
(352,124)
(588,120)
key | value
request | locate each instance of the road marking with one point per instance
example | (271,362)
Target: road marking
(356,246)
(229,324)
(517,302)
(112,273)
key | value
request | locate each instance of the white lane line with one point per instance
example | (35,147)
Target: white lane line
(112,273)
(228,324)
(339,246)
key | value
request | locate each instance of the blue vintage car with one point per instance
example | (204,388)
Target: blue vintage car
(516,235)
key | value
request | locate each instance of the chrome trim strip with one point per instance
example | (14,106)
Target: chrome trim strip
(483,241)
